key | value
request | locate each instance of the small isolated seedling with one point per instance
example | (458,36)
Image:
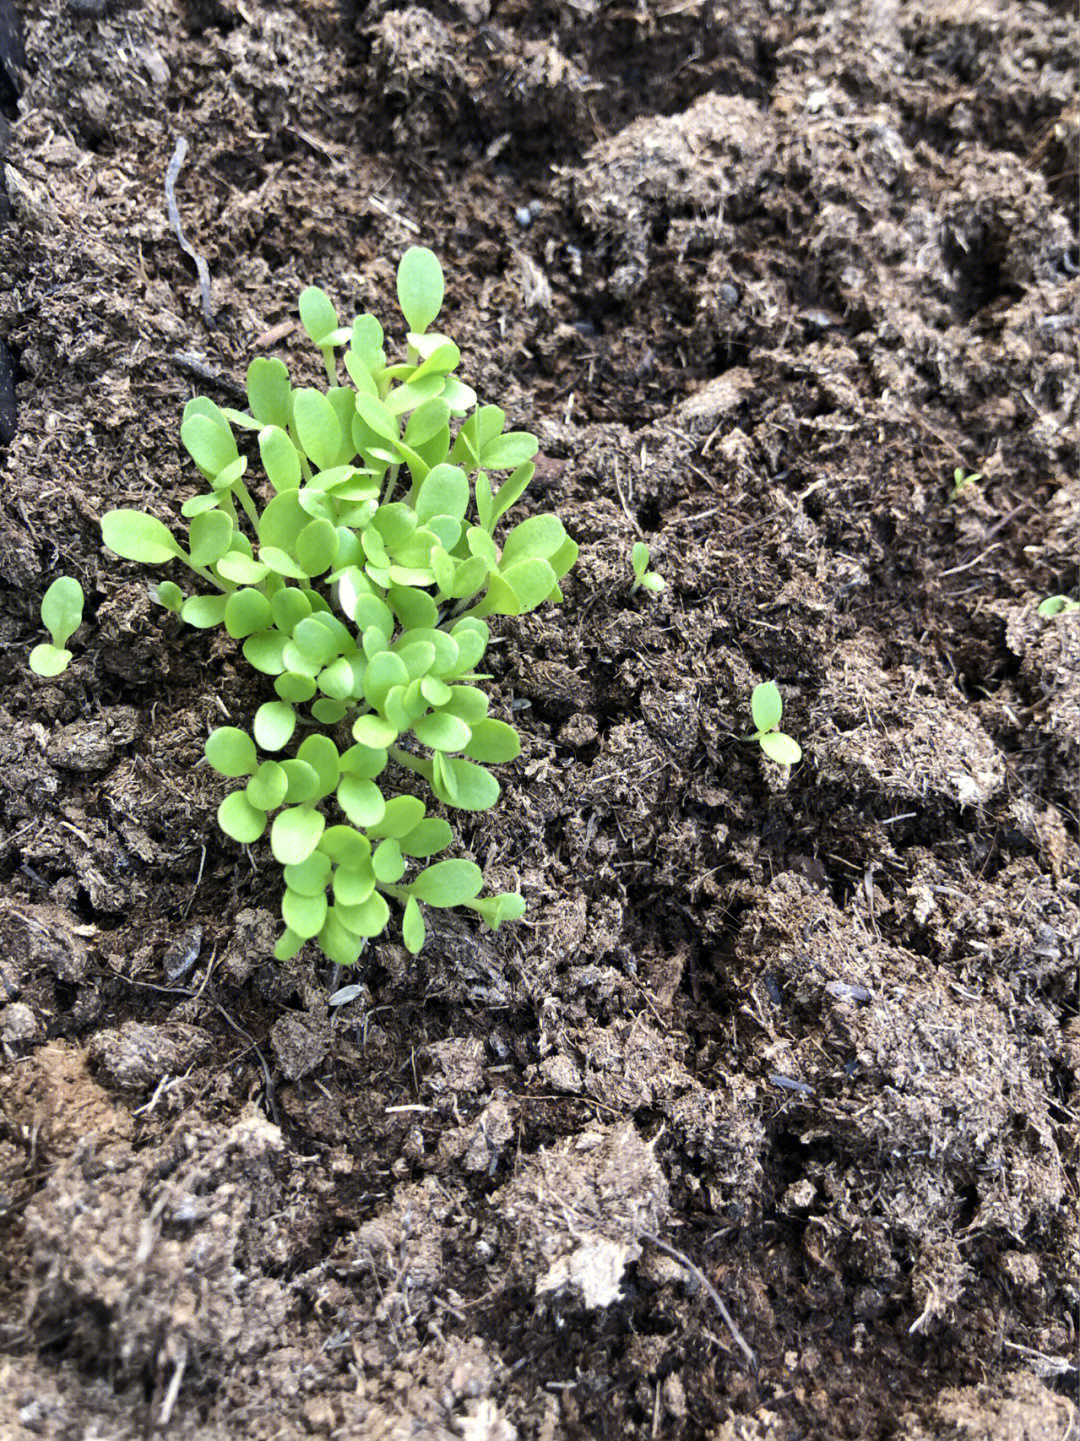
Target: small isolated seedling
(358,577)
(766,707)
(61,615)
(643,576)
(960,480)
(1058,605)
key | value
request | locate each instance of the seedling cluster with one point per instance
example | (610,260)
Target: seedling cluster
(362,588)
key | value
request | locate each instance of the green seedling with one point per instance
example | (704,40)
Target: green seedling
(1057,605)
(960,480)
(643,576)
(61,615)
(766,707)
(359,578)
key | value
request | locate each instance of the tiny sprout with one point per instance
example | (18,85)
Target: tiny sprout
(1058,605)
(639,559)
(61,615)
(766,706)
(960,480)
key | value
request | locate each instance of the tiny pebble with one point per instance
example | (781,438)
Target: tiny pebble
(729,294)
(345,995)
(523,216)
(182,954)
(843,992)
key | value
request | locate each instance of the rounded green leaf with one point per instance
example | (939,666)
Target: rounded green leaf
(468,703)
(369,918)
(246,611)
(442,732)
(345,846)
(639,558)
(241,569)
(384,671)
(448,883)
(365,762)
(303,781)
(282,521)
(169,595)
(338,944)
(132,535)
(507,452)
(402,815)
(267,788)
(310,877)
(321,754)
(289,607)
(265,651)
(1056,605)
(539,536)
(493,742)
(274,725)
(434,691)
(317,314)
(531,581)
(415,609)
(375,732)
(209,536)
(427,838)
(204,611)
(387,862)
(445,491)
(766,706)
(304,915)
(198,504)
(361,800)
(317,427)
(49,660)
(353,884)
(62,609)
(317,547)
(294,687)
(279,458)
(210,445)
(315,641)
(268,391)
(328,712)
(338,681)
(295,834)
(781,748)
(288,946)
(239,819)
(231,752)
(413,931)
(652,581)
(463,785)
(420,287)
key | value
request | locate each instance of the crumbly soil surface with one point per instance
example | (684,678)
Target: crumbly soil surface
(760,275)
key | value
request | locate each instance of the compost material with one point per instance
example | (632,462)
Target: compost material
(761,276)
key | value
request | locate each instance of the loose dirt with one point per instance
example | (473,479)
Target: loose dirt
(761,276)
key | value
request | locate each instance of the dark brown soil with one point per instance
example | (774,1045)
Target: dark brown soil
(760,275)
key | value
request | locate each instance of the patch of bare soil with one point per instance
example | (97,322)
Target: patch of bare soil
(802,1046)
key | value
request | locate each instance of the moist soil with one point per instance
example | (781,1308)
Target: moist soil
(802,1044)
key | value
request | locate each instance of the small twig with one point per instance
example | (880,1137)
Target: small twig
(193,365)
(174,1389)
(710,1290)
(175,166)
